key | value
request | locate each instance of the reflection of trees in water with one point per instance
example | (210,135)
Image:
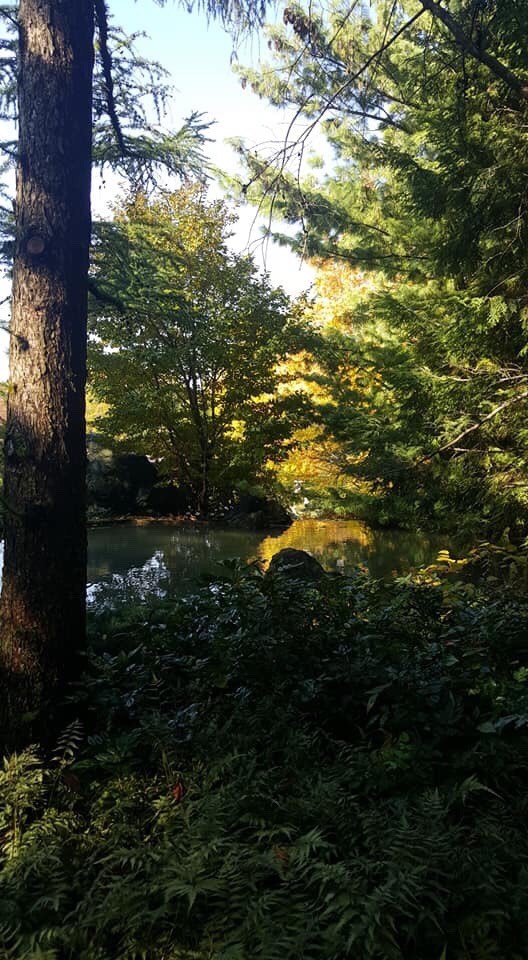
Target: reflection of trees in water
(115,549)
(201,550)
(344,544)
(137,585)
(327,540)
(118,549)
(131,563)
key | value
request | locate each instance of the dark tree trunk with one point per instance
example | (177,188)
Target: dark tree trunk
(203,491)
(43,597)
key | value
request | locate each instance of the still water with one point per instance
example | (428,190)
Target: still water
(133,560)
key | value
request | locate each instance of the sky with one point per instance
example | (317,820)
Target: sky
(197,56)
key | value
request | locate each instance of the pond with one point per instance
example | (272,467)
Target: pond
(137,559)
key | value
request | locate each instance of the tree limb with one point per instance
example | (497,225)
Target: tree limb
(103,297)
(106,61)
(476,426)
(468,46)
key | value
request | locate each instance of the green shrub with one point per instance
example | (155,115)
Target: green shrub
(278,769)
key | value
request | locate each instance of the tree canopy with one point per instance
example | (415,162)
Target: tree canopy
(427,195)
(186,338)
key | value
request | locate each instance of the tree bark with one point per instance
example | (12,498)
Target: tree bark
(42,608)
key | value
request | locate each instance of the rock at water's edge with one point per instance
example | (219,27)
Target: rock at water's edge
(297,564)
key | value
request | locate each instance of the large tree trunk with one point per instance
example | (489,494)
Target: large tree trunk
(43,597)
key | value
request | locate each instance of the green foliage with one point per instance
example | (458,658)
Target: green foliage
(186,338)
(128,109)
(426,196)
(422,393)
(275,768)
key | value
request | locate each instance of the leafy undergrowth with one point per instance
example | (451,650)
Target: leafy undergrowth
(281,769)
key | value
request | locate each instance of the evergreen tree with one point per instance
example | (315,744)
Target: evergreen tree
(427,193)
(43,596)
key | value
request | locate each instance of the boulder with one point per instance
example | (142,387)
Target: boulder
(119,485)
(296,564)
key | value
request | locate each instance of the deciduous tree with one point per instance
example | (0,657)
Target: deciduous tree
(186,341)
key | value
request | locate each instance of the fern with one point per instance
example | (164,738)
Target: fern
(284,812)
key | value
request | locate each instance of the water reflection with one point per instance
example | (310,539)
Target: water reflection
(340,545)
(134,561)
(134,584)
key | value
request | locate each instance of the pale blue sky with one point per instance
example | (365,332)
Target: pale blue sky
(197,55)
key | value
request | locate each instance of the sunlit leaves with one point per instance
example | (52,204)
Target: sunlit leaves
(186,341)
(426,195)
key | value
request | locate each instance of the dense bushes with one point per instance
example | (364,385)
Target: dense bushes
(278,769)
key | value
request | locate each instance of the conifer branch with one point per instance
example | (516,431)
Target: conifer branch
(102,296)
(330,102)
(106,62)
(469,46)
(476,426)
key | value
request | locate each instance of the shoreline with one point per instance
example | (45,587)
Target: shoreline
(171,519)
(143,520)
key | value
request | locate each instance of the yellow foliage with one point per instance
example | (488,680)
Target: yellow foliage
(236,430)
(319,462)
(298,373)
(202,226)
(94,410)
(338,289)
(316,536)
